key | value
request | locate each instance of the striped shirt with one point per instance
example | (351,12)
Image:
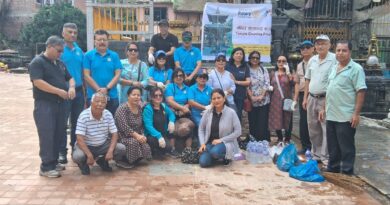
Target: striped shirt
(95,132)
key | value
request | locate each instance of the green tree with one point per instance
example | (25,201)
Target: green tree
(49,21)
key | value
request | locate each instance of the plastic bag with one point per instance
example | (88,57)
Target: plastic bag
(276,149)
(307,172)
(288,158)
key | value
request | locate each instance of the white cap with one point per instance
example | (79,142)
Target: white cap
(322,37)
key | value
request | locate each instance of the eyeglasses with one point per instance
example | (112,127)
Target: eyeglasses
(157,96)
(255,58)
(179,76)
(132,50)
(221,60)
(282,61)
(101,40)
(202,76)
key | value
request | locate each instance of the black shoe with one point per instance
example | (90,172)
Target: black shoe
(84,169)
(227,162)
(62,158)
(174,153)
(104,165)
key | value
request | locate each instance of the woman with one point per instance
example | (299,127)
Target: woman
(128,119)
(279,119)
(240,71)
(199,96)
(176,95)
(159,74)
(134,73)
(159,123)
(219,129)
(257,92)
(222,79)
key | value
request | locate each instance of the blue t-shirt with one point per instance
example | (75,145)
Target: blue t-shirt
(160,75)
(187,58)
(202,97)
(73,59)
(102,69)
(179,95)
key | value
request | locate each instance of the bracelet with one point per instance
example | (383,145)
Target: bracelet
(108,89)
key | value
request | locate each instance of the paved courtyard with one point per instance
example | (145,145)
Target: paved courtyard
(159,182)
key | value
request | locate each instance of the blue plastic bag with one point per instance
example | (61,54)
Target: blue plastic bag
(307,172)
(288,158)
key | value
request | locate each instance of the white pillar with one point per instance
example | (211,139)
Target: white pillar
(89,24)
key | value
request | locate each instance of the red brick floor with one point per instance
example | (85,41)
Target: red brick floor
(157,182)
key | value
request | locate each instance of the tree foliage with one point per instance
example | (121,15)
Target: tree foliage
(49,21)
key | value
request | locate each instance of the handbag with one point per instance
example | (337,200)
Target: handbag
(247,104)
(287,102)
(189,156)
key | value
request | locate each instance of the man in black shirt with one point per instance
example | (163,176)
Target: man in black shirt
(163,41)
(52,84)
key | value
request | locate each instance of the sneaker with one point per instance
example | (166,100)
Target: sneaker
(124,165)
(60,167)
(227,162)
(174,153)
(84,168)
(62,158)
(50,173)
(104,165)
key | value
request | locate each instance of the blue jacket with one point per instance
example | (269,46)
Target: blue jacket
(148,120)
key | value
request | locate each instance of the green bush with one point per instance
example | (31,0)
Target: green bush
(49,21)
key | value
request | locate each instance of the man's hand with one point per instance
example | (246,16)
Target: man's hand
(71,93)
(102,91)
(90,160)
(215,142)
(355,120)
(185,109)
(151,58)
(321,116)
(63,94)
(202,148)
(160,85)
(161,142)
(304,104)
(137,84)
(109,155)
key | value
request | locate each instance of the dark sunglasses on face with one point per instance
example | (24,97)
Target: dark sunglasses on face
(305,47)
(179,76)
(221,60)
(132,50)
(282,61)
(157,96)
(255,58)
(161,58)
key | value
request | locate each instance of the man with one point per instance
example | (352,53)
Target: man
(318,70)
(94,126)
(163,41)
(188,58)
(307,51)
(73,59)
(344,101)
(50,80)
(102,69)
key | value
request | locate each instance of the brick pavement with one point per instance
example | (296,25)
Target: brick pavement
(166,182)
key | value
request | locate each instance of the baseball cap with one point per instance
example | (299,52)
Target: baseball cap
(186,36)
(163,22)
(306,43)
(203,73)
(160,53)
(322,37)
(220,55)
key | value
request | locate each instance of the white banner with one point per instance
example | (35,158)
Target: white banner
(227,26)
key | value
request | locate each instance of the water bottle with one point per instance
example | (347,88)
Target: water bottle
(308,155)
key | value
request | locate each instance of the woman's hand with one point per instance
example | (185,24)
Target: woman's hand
(215,142)
(202,148)
(140,138)
(185,109)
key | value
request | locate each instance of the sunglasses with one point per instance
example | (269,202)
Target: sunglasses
(221,60)
(305,47)
(179,76)
(282,61)
(132,50)
(161,58)
(157,96)
(202,76)
(255,58)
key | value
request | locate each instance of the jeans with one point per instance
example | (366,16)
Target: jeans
(341,146)
(258,122)
(239,107)
(211,154)
(112,105)
(73,109)
(49,119)
(303,129)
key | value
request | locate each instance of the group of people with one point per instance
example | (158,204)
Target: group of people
(132,112)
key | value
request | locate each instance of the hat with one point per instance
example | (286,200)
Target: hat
(203,73)
(306,43)
(186,36)
(163,22)
(322,37)
(160,53)
(220,55)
